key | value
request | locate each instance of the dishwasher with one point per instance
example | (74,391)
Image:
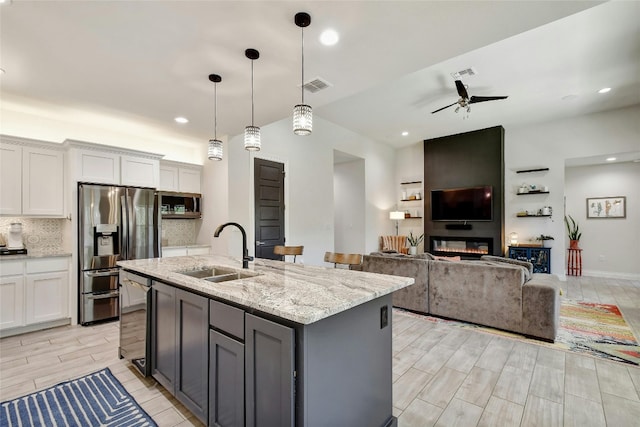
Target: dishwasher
(135,321)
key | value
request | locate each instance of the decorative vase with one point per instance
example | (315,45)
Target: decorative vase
(413,250)
(573,244)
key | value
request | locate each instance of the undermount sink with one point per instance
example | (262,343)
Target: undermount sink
(218,274)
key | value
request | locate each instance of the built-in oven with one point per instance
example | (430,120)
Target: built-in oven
(99,295)
(135,319)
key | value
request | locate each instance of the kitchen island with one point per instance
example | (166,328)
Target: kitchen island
(278,344)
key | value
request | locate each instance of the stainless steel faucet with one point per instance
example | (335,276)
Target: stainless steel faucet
(245,253)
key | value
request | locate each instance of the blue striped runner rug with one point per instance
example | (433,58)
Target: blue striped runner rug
(97,399)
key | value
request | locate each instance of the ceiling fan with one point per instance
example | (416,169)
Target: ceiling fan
(465,101)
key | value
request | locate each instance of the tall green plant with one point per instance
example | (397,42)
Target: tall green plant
(573,229)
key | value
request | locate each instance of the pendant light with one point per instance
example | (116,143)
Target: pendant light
(215,145)
(252,133)
(302,113)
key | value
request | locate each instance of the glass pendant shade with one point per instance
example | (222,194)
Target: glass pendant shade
(302,119)
(252,138)
(215,149)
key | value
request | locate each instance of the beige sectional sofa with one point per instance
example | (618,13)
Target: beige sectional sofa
(493,291)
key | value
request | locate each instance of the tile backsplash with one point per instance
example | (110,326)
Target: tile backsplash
(43,235)
(178,232)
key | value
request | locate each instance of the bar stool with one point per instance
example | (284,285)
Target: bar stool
(574,262)
(352,260)
(288,250)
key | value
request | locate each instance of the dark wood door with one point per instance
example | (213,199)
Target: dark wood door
(269,207)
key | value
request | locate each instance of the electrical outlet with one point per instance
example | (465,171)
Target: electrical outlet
(384,316)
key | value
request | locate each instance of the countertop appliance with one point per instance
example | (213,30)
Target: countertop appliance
(15,245)
(114,223)
(135,320)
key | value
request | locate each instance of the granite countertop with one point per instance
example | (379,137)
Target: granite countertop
(300,293)
(34,255)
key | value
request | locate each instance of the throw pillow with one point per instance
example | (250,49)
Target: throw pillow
(447,258)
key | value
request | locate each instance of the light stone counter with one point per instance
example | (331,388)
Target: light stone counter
(300,293)
(35,255)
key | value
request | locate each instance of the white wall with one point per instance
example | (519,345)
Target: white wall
(309,199)
(610,246)
(409,168)
(349,205)
(549,145)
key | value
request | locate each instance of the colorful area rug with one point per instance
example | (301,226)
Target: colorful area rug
(595,329)
(97,399)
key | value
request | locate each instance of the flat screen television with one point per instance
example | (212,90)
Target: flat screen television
(462,204)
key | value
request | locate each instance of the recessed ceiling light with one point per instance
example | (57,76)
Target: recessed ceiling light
(611,159)
(329,37)
(604,90)
(181,120)
(405,133)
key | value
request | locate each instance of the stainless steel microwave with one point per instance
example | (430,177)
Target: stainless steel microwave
(180,205)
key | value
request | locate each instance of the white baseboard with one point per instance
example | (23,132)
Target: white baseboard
(32,328)
(611,274)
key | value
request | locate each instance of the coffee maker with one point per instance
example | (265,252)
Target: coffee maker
(15,245)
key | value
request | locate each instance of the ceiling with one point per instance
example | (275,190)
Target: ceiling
(149,61)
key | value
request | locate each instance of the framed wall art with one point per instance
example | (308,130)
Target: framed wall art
(607,207)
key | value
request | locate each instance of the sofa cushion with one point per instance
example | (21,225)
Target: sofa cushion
(414,297)
(477,292)
(526,264)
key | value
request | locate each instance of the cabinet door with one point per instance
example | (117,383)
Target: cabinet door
(269,367)
(11,301)
(168,178)
(140,172)
(163,334)
(97,167)
(10,179)
(42,182)
(46,297)
(189,181)
(193,353)
(226,381)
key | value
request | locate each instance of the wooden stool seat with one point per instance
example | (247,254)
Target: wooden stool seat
(345,259)
(288,250)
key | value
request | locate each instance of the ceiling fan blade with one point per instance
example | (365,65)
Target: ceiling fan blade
(440,109)
(462,91)
(475,99)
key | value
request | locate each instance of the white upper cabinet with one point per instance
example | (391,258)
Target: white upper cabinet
(10,179)
(181,177)
(139,171)
(97,167)
(42,182)
(103,164)
(32,175)
(168,178)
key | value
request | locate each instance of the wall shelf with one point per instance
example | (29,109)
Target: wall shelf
(532,192)
(410,200)
(533,216)
(410,182)
(532,170)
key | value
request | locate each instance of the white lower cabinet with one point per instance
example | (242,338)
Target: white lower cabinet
(11,302)
(46,297)
(33,291)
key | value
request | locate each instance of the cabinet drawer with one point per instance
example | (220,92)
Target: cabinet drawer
(11,268)
(226,318)
(47,264)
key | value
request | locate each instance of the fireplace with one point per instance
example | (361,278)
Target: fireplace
(466,247)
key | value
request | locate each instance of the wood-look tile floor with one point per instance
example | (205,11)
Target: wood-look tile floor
(443,375)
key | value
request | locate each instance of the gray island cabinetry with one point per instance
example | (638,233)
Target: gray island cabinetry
(279,344)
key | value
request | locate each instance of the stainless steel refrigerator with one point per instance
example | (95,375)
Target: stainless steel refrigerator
(114,223)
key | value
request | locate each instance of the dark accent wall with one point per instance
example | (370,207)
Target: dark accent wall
(466,160)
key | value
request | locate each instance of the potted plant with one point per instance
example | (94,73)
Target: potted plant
(414,241)
(544,238)
(573,231)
